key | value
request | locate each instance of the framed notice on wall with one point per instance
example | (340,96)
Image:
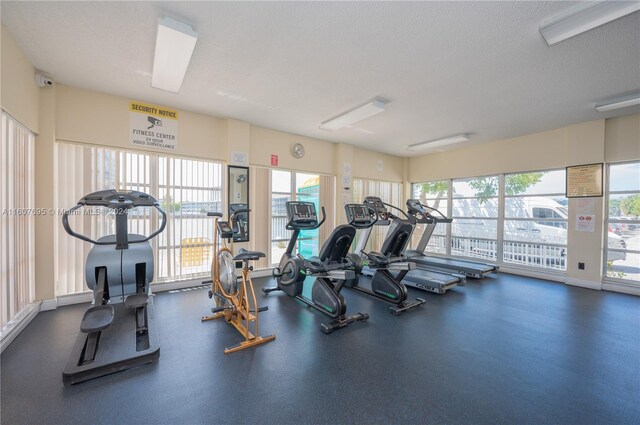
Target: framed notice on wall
(584,181)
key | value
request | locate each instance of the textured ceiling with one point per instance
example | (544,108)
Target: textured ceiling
(446,68)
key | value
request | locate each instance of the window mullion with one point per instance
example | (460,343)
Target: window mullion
(501,205)
(449,214)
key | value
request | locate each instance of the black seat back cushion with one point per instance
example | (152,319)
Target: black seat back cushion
(336,247)
(395,243)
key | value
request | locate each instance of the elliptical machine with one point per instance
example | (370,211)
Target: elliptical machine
(119,331)
(329,268)
(384,285)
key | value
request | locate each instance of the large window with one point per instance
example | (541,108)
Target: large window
(518,218)
(474,231)
(291,186)
(17,223)
(434,194)
(389,192)
(186,189)
(535,219)
(622,257)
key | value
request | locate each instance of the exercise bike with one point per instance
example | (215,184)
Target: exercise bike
(234,302)
(384,285)
(329,268)
(119,330)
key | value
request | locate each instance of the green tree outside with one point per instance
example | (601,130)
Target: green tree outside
(630,206)
(438,189)
(514,184)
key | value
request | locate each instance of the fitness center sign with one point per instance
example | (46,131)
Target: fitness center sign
(153,126)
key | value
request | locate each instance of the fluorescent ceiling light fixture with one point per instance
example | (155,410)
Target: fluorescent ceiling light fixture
(355,115)
(458,138)
(621,102)
(585,17)
(174,45)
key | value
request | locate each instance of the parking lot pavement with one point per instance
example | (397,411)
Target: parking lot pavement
(630,267)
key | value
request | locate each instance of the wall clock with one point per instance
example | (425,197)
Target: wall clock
(297,150)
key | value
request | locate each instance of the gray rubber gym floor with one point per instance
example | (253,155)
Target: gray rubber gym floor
(507,350)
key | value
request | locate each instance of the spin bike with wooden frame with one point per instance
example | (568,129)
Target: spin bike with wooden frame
(235,300)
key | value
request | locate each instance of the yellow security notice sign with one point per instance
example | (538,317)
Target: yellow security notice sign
(153,126)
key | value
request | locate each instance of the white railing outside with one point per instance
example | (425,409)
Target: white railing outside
(536,255)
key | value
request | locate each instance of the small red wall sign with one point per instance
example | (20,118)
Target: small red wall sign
(274,160)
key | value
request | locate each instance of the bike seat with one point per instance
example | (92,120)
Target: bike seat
(377,259)
(315,265)
(134,301)
(97,318)
(244,255)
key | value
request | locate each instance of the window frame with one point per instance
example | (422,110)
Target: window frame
(501,219)
(605,244)
(293,196)
(447,226)
(149,180)
(500,201)
(544,245)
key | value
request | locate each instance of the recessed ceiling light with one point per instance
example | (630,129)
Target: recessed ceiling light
(175,42)
(584,17)
(355,115)
(451,140)
(620,102)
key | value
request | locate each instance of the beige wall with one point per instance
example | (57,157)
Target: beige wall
(19,93)
(90,117)
(318,157)
(365,165)
(44,196)
(549,149)
(622,139)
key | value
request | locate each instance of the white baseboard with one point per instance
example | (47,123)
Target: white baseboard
(583,283)
(261,273)
(622,288)
(556,277)
(16,326)
(47,305)
(83,297)
(173,286)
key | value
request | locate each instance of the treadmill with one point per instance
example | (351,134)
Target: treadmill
(427,280)
(431,217)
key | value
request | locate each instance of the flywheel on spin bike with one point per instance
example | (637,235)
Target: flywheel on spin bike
(227,285)
(227,272)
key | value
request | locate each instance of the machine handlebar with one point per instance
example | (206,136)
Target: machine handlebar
(411,219)
(426,211)
(121,202)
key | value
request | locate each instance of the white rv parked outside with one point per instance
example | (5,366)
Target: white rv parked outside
(535,231)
